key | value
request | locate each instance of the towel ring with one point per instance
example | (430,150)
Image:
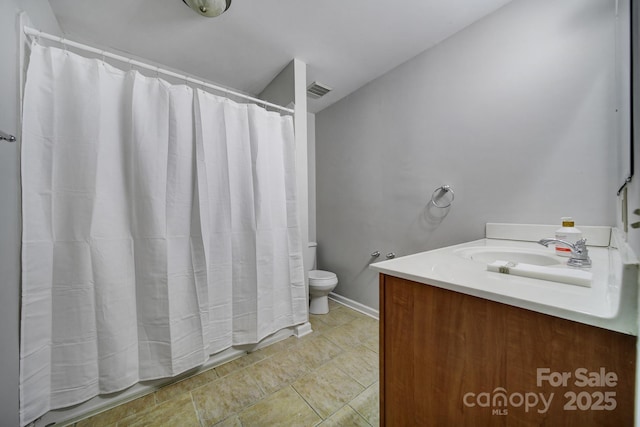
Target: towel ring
(439,193)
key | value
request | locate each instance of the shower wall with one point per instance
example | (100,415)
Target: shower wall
(42,17)
(516,112)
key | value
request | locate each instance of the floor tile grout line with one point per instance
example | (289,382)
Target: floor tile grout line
(317,369)
(366,420)
(309,370)
(195,408)
(308,404)
(356,380)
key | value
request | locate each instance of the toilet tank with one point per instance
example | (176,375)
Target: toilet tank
(310,256)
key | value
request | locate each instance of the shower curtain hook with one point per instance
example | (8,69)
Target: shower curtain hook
(64,45)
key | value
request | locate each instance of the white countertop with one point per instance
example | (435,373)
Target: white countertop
(610,302)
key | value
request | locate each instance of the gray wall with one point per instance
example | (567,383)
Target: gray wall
(634,188)
(41,17)
(516,113)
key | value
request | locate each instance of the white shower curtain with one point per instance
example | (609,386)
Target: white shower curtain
(159,226)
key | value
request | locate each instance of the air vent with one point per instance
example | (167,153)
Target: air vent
(317,90)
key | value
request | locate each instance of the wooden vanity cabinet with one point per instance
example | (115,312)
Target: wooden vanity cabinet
(450,359)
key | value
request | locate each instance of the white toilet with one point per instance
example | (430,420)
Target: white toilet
(320,283)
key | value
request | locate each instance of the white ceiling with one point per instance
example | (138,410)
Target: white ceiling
(345,43)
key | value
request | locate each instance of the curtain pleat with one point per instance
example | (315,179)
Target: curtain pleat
(159,227)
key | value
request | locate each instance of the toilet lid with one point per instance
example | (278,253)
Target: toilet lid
(321,274)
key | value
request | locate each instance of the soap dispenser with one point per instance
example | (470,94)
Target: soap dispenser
(569,233)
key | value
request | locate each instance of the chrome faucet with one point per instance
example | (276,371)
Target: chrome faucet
(579,252)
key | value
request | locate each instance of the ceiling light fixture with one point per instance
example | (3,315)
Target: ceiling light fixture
(209,8)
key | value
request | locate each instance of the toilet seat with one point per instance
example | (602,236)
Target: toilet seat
(322,278)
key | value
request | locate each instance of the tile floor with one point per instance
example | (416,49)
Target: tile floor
(327,378)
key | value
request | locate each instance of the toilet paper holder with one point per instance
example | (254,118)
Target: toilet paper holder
(440,193)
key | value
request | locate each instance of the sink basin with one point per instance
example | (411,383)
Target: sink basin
(608,299)
(488,255)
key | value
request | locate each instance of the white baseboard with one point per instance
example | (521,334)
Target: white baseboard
(300,331)
(355,305)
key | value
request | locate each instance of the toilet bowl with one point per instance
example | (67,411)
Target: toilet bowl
(321,283)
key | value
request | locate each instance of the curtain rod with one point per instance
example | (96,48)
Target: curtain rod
(36,33)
